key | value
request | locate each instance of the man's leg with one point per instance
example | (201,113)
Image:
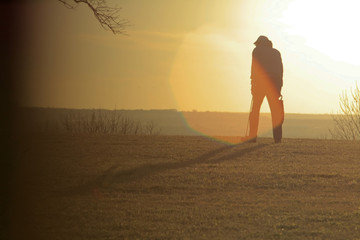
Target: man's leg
(276,115)
(254,115)
(277,133)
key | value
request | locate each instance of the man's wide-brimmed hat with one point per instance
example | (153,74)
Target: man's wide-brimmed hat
(261,39)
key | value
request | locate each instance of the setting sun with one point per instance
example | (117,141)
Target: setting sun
(330,27)
(317,40)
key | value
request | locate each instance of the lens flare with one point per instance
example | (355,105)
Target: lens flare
(210,81)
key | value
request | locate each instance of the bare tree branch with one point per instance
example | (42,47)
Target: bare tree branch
(347,122)
(108,17)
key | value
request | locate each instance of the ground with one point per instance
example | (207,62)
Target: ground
(169,187)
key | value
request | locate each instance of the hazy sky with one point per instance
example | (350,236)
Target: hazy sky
(188,55)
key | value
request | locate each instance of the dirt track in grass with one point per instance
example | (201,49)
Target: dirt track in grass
(168,187)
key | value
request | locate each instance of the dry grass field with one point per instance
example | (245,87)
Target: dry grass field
(188,187)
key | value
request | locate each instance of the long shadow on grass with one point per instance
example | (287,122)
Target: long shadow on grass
(113,176)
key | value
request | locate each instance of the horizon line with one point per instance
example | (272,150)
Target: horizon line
(165,109)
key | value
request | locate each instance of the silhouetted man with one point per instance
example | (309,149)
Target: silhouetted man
(266,80)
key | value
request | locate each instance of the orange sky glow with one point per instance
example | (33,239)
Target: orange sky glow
(189,55)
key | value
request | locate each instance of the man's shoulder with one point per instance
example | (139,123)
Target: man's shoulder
(266,52)
(276,51)
(257,50)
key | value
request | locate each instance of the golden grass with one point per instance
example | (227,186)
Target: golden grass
(167,187)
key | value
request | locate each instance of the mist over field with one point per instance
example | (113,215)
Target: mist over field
(172,122)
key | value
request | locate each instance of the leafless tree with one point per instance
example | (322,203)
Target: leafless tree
(151,129)
(347,122)
(137,128)
(98,121)
(108,17)
(127,125)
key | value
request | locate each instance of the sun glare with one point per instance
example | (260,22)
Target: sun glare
(205,72)
(329,26)
(317,39)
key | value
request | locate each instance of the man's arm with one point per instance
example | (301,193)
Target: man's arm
(281,70)
(253,72)
(252,67)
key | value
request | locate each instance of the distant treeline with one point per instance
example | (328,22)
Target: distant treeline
(165,122)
